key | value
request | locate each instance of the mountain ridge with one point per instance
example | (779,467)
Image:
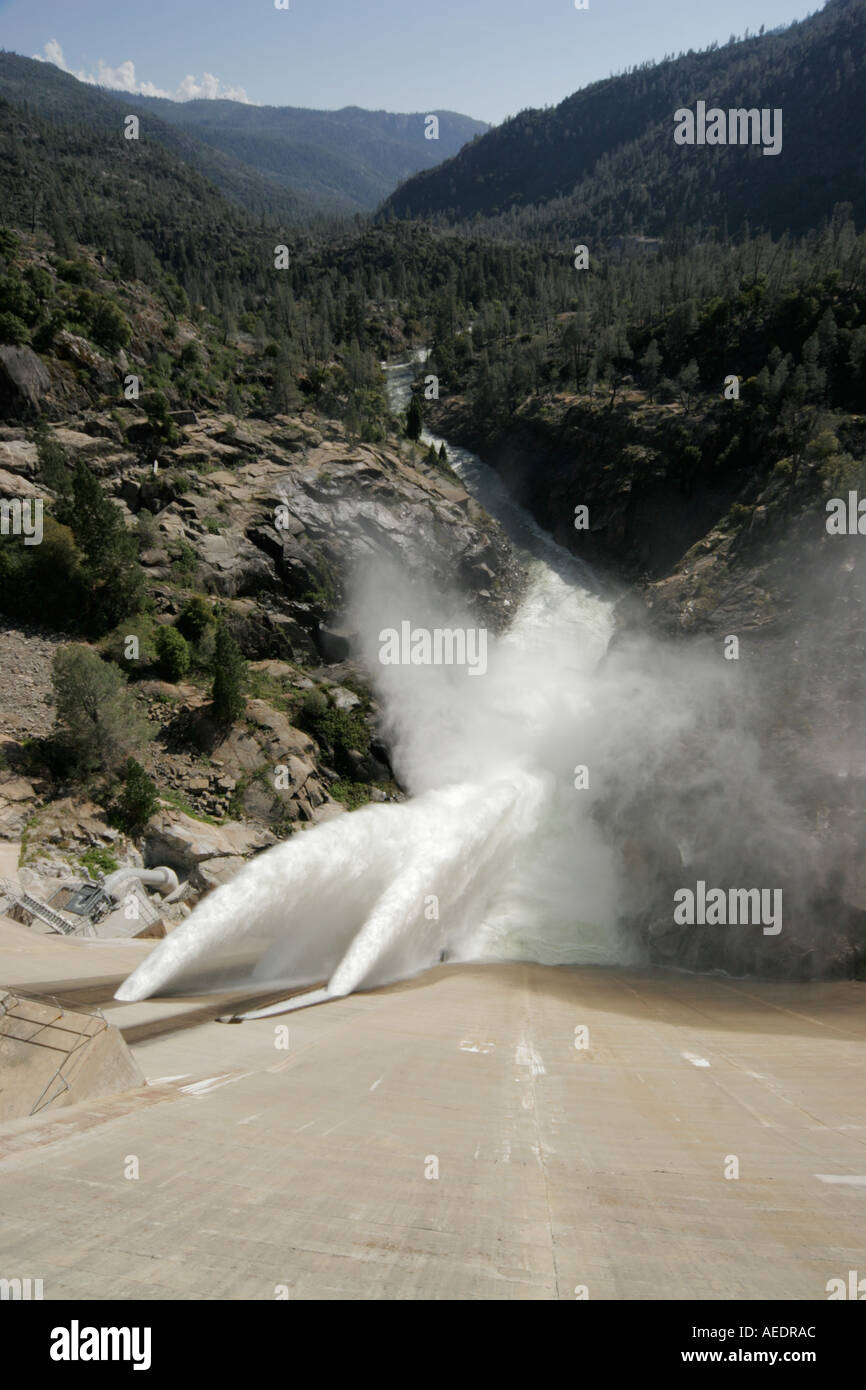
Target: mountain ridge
(604,162)
(319,163)
(294,145)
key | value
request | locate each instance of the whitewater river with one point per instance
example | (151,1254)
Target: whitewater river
(495,856)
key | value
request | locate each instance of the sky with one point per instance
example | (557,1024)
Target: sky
(484,58)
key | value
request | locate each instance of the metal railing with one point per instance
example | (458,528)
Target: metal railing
(19,898)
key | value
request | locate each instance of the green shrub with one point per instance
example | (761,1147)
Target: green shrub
(118,646)
(315,705)
(75,272)
(9,242)
(156,408)
(195,618)
(172,653)
(738,514)
(98,723)
(97,860)
(40,282)
(109,327)
(17,297)
(149,534)
(137,801)
(339,731)
(351,794)
(54,467)
(184,563)
(45,334)
(13,330)
(44,582)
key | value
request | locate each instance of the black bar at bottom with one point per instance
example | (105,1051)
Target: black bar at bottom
(254,1340)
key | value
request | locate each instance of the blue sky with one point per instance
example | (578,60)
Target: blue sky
(486,58)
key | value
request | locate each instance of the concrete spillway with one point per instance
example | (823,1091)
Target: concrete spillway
(445,1138)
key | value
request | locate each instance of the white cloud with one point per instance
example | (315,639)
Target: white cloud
(209,87)
(123,79)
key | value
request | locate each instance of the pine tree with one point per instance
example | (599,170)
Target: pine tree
(229,678)
(414,419)
(111,552)
(650,365)
(138,800)
(689,384)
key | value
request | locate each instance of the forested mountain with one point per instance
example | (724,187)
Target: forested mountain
(64,108)
(632,370)
(514,327)
(70,180)
(282,161)
(135,200)
(346,160)
(154,350)
(604,162)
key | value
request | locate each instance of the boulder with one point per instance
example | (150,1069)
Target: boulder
(263,803)
(297,773)
(210,873)
(79,441)
(17,789)
(344,699)
(335,643)
(24,380)
(265,632)
(14,485)
(281,738)
(231,565)
(173,838)
(278,670)
(82,352)
(329,810)
(19,456)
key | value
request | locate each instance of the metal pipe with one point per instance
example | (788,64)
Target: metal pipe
(163,878)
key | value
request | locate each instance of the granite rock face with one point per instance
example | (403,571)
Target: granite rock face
(24,381)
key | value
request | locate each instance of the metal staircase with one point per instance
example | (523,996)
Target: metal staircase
(18,898)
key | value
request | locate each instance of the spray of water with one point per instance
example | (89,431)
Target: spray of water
(497,855)
(493,857)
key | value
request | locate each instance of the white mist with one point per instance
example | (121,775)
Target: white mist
(497,855)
